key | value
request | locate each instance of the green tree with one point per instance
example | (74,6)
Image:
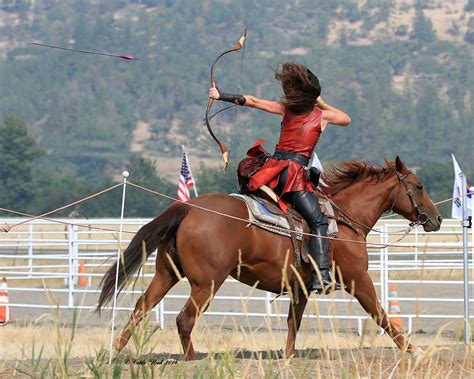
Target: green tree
(422,27)
(214,180)
(437,179)
(469,7)
(139,203)
(469,36)
(17,153)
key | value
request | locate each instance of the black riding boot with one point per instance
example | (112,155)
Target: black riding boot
(320,255)
(307,204)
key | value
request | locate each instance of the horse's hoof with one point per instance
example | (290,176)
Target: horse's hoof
(417,353)
(291,355)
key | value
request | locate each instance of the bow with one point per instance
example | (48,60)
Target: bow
(224,149)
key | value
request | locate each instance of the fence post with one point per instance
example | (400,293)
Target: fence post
(30,250)
(381,259)
(75,253)
(268,303)
(386,266)
(359,326)
(71,268)
(162,313)
(416,247)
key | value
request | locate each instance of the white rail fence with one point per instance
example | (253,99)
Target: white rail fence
(428,266)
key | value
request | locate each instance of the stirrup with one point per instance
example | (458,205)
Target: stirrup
(327,286)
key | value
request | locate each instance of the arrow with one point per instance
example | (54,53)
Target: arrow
(124,57)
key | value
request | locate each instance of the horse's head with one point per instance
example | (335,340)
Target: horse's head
(412,201)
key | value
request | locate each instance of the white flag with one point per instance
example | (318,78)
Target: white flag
(459,191)
(317,163)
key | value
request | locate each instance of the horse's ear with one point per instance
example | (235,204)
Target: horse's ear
(400,166)
(387,162)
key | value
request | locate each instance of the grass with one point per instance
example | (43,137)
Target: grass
(68,351)
(57,350)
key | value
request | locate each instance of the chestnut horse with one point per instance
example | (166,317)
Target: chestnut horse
(206,247)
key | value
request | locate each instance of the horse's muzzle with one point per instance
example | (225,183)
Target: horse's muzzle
(433,224)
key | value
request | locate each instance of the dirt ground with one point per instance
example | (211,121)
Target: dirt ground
(27,351)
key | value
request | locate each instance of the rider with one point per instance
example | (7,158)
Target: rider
(305,117)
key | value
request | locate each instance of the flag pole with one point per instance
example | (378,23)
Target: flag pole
(125,175)
(465,225)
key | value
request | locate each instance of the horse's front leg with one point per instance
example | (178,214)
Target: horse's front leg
(363,289)
(295,314)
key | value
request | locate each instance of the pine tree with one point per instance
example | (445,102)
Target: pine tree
(17,152)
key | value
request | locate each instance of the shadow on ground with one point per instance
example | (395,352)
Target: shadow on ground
(327,354)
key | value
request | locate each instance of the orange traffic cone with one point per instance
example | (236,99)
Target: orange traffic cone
(4,307)
(82,279)
(394,308)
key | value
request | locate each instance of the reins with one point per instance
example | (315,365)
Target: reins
(421,216)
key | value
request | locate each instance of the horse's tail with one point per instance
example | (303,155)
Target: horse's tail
(157,233)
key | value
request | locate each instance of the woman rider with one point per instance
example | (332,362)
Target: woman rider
(305,117)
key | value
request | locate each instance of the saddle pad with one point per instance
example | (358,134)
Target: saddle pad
(261,213)
(265,219)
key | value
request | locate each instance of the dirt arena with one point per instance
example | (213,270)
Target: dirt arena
(30,351)
(52,342)
(59,342)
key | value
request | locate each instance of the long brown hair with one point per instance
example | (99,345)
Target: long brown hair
(301,87)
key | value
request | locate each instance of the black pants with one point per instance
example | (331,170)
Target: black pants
(308,206)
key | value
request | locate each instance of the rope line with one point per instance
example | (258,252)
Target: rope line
(6,228)
(369,245)
(372,245)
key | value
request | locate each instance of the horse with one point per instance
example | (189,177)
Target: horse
(197,241)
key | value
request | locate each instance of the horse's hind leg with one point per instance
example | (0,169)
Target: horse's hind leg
(295,314)
(201,297)
(364,292)
(162,282)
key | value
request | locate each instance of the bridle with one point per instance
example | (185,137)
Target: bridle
(422,217)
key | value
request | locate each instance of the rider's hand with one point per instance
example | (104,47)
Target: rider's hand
(214,93)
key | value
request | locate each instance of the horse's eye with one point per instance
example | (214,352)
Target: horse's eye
(420,187)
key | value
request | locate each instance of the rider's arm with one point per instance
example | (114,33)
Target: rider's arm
(264,105)
(332,115)
(248,101)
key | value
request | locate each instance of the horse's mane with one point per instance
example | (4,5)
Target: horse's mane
(344,174)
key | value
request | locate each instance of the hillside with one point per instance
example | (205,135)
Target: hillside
(402,70)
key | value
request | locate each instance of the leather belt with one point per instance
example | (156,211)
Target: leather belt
(298,158)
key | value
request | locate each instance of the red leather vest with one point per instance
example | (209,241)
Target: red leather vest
(300,133)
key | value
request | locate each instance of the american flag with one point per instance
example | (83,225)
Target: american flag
(186,180)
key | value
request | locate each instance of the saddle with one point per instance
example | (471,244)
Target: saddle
(265,213)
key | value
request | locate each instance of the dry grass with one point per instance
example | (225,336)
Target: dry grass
(30,351)
(19,339)
(63,351)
